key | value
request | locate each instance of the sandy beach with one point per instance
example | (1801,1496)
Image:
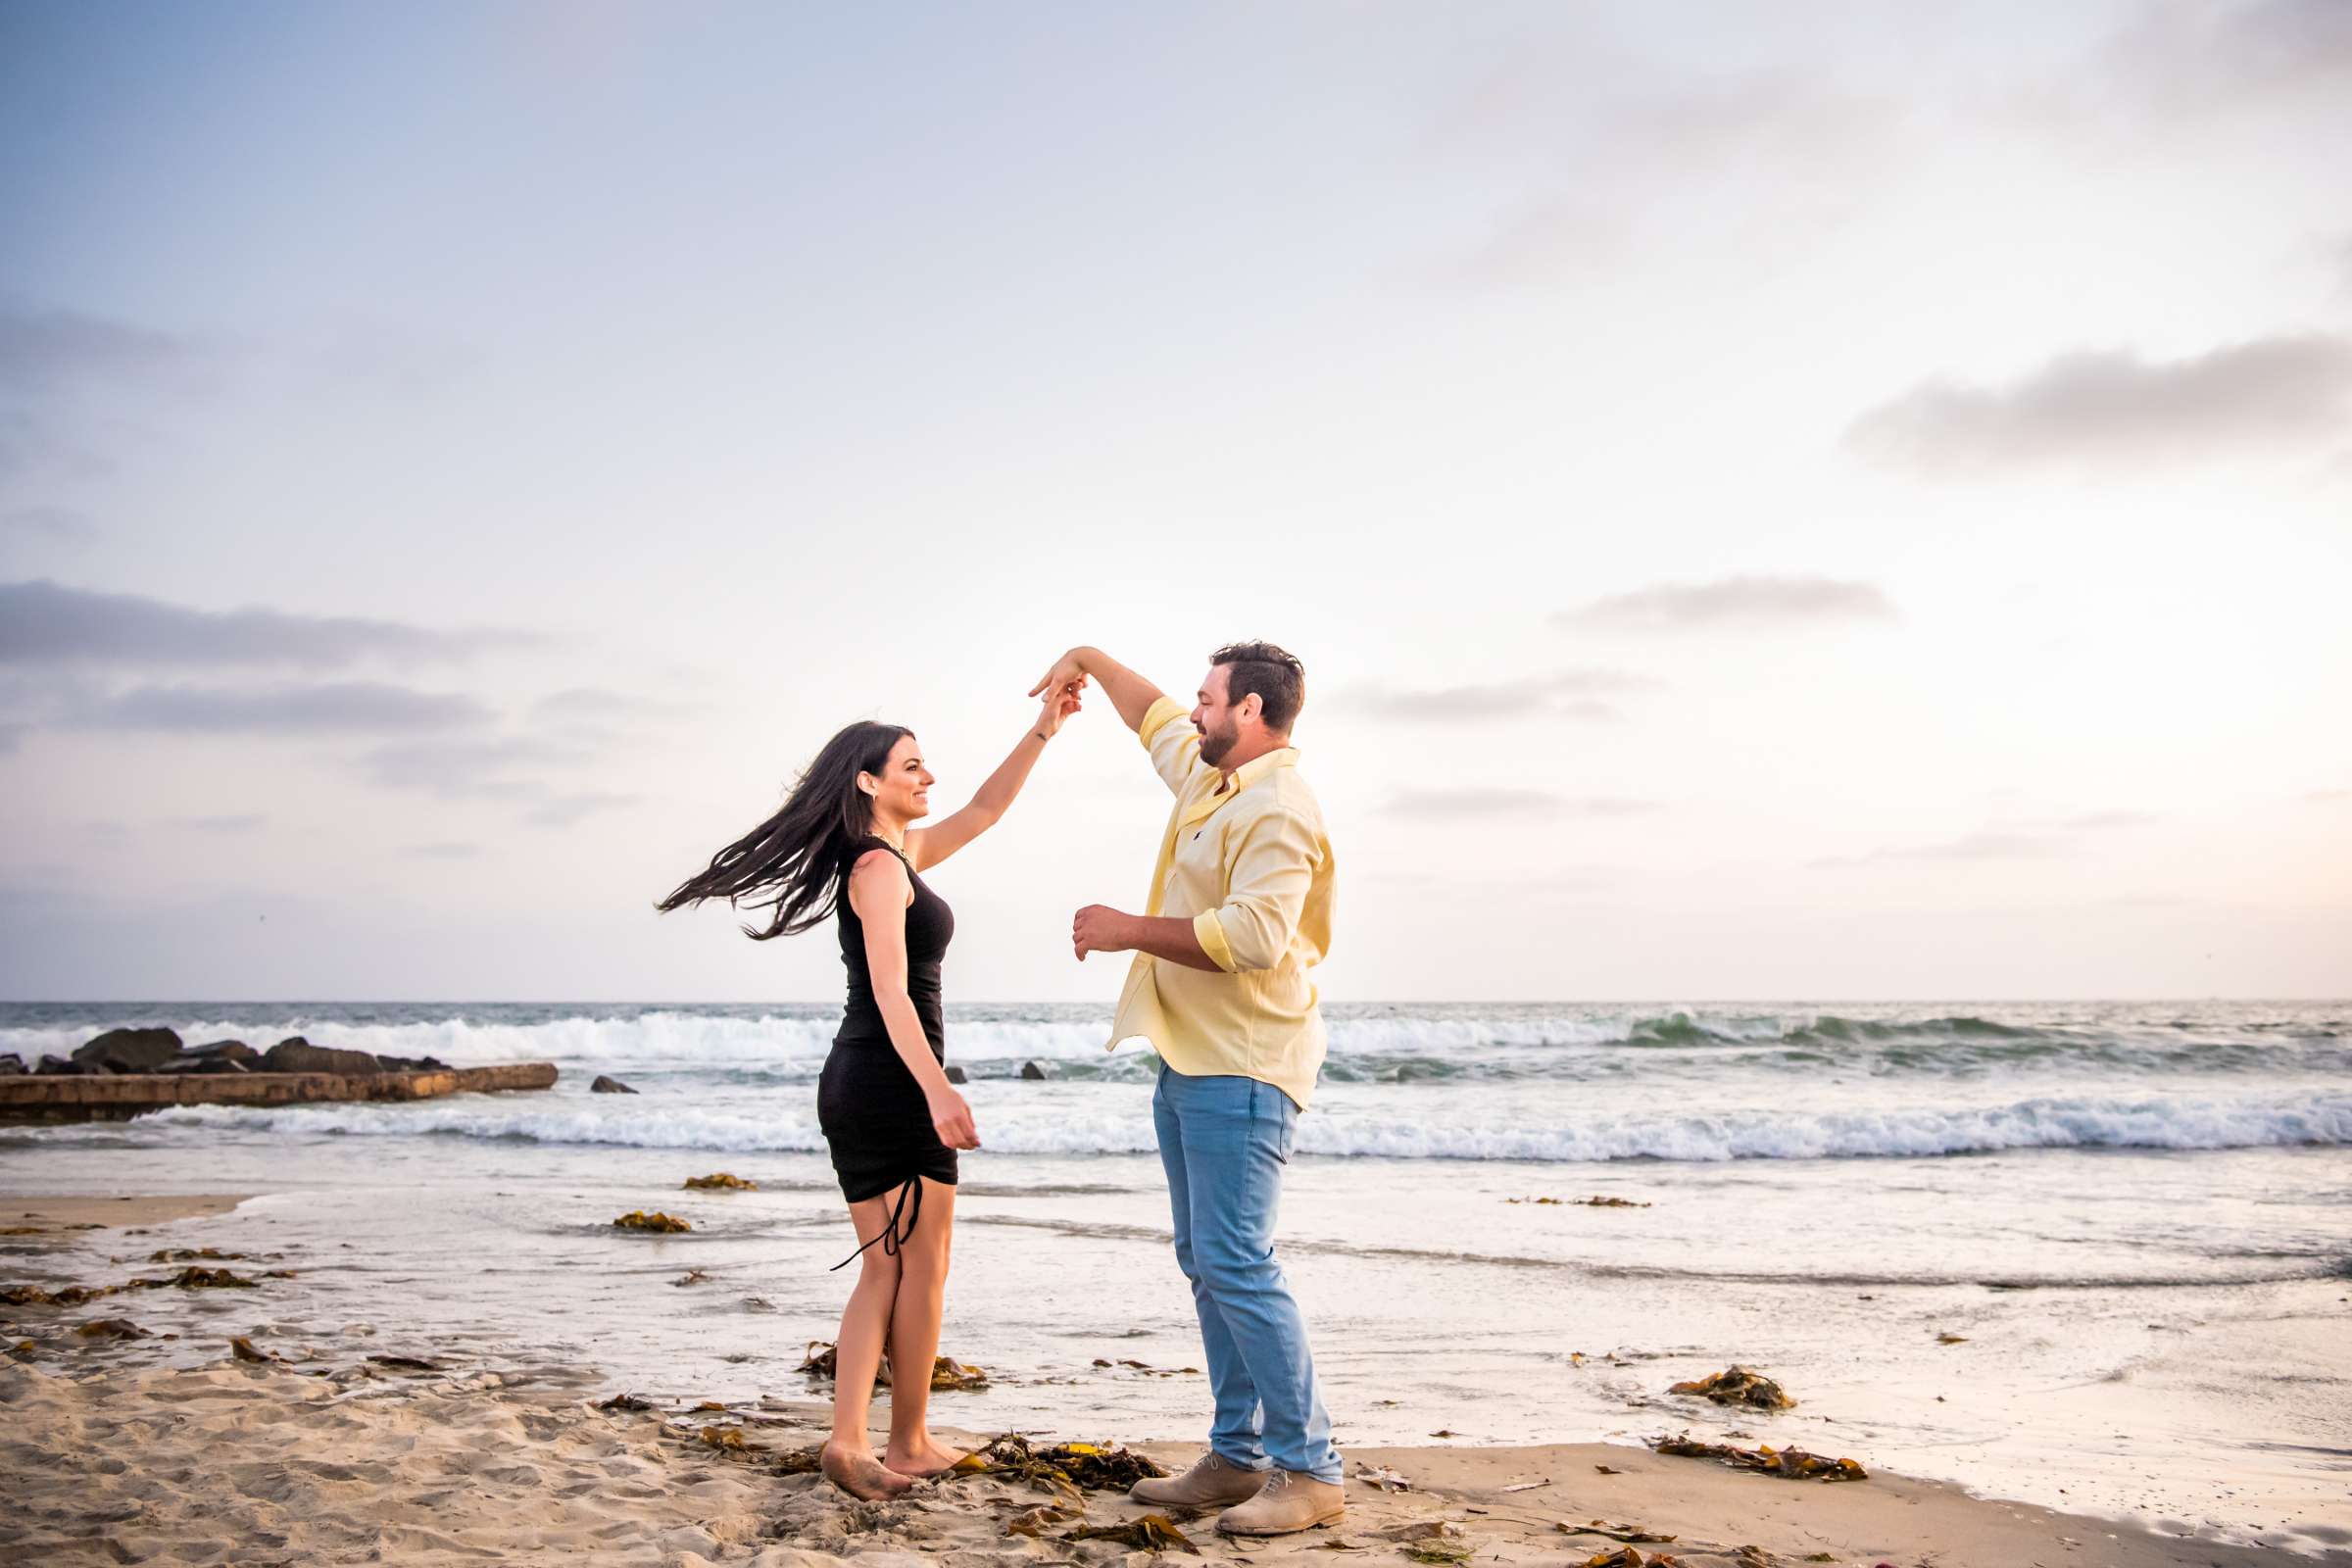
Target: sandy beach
(342,1443)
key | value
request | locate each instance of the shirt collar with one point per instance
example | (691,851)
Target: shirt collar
(1255,769)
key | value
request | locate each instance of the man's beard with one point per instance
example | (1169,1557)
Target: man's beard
(1214,748)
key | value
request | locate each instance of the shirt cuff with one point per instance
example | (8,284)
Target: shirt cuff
(1210,934)
(1158,716)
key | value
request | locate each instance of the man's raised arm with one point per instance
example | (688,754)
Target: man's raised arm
(1129,693)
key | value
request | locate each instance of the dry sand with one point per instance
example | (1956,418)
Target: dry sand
(57,1216)
(321,1455)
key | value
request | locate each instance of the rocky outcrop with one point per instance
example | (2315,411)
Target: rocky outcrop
(957,1075)
(10,1064)
(63,1067)
(297,1054)
(129,1050)
(1031,1070)
(232,1049)
(608,1086)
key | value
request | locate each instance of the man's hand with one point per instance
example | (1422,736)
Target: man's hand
(1100,928)
(1068,671)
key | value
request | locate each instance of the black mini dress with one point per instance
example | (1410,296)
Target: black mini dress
(876,1122)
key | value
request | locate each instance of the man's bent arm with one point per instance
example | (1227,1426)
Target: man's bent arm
(1101,929)
(1131,693)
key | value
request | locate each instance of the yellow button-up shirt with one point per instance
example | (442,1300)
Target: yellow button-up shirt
(1250,867)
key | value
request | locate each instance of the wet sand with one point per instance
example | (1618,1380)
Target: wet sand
(319,1453)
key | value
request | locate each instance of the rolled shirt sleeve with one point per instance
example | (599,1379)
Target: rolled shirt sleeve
(1175,746)
(1270,878)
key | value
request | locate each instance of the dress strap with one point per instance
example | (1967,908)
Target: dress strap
(911,1206)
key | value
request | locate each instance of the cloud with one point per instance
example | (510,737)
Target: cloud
(49,524)
(446,849)
(1612,155)
(597,708)
(1968,847)
(38,348)
(563,810)
(31,448)
(2115,411)
(2031,842)
(1481,803)
(2180,58)
(454,768)
(218,825)
(336,708)
(1577,694)
(1736,602)
(2100,822)
(45,623)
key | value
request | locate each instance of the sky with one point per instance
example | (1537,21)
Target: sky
(1833,501)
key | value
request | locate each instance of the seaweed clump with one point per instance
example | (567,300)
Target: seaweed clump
(948,1375)
(1793,1463)
(637,1219)
(720,1182)
(1153,1531)
(1738,1384)
(1077,1466)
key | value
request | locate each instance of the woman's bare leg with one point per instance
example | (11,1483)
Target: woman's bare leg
(914,1337)
(849,1454)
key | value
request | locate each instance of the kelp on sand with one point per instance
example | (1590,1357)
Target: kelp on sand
(1793,1463)
(948,1375)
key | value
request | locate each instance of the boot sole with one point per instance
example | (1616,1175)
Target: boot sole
(1260,1532)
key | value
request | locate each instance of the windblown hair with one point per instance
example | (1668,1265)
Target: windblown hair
(799,854)
(1276,675)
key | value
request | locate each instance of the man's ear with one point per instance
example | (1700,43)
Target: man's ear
(1250,708)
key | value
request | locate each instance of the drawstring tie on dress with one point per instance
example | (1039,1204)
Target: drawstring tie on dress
(911,1205)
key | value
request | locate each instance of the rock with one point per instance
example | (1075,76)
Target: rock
(957,1075)
(60,1068)
(414,1064)
(10,1064)
(298,1055)
(1030,1069)
(111,1328)
(232,1049)
(196,1064)
(129,1050)
(608,1086)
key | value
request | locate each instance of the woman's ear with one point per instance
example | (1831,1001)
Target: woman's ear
(869,786)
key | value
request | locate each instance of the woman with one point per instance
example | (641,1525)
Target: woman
(844,843)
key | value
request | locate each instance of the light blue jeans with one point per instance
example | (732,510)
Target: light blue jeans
(1224,1141)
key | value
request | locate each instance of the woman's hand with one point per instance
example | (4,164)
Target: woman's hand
(951,1120)
(1060,705)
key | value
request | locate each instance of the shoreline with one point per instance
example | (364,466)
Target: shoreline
(471,1455)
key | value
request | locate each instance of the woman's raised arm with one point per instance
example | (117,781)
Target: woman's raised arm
(926,847)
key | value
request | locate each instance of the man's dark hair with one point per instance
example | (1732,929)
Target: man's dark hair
(1278,678)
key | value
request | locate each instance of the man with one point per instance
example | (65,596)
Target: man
(1239,910)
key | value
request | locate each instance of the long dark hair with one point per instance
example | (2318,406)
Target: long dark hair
(800,852)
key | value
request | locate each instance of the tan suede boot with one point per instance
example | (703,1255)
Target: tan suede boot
(1211,1483)
(1287,1503)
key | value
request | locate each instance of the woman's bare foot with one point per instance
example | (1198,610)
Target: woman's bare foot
(860,1474)
(924,1458)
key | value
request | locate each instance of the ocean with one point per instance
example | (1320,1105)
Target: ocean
(2095,1255)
